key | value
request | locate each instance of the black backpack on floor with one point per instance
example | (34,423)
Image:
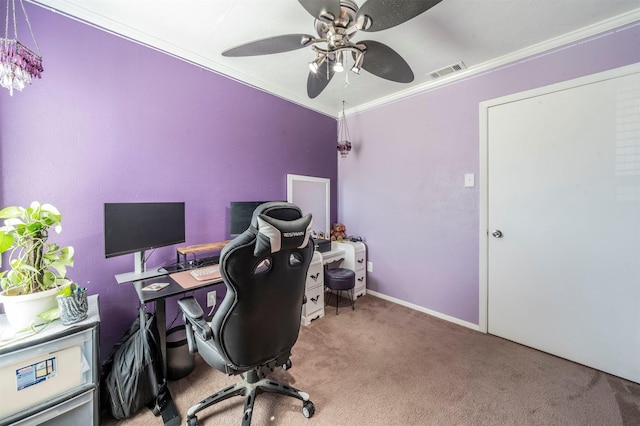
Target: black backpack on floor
(132,373)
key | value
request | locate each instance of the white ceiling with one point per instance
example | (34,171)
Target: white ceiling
(481,33)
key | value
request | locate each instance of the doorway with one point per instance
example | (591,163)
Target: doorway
(560,220)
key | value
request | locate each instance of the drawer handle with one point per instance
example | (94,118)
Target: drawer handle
(315,299)
(361,279)
(315,277)
(360,260)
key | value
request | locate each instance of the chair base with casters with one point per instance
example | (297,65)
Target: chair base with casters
(339,280)
(254,383)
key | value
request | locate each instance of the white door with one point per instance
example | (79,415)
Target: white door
(563,189)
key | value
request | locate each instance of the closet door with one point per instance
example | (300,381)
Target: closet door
(563,222)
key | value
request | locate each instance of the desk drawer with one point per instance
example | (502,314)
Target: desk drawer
(40,373)
(77,411)
(315,299)
(315,275)
(314,308)
(360,260)
(360,288)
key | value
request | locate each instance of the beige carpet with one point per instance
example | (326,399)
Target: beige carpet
(384,364)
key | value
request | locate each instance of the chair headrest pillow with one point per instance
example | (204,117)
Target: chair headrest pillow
(275,234)
(278,209)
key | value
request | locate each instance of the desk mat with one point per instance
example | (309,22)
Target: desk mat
(186,280)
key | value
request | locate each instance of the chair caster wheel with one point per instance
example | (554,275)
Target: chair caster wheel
(308,409)
(287,365)
(192,421)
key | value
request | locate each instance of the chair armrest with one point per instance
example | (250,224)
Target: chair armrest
(191,307)
(194,314)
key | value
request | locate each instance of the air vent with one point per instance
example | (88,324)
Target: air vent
(448,70)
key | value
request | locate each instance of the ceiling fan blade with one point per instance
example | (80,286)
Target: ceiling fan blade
(384,14)
(321,8)
(317,81)
(383,61)
(267,46)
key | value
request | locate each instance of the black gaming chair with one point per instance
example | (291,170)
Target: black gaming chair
(257,323)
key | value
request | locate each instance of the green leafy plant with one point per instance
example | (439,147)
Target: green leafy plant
(67,289)
(34,263)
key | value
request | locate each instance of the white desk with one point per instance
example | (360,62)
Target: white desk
(350,255)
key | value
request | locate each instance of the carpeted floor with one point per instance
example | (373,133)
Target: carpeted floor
(384,364)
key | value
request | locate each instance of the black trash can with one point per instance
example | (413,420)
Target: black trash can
(179,361)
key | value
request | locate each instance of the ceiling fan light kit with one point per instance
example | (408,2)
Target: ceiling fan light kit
(336,23)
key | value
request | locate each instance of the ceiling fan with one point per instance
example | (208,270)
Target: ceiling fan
(337,22)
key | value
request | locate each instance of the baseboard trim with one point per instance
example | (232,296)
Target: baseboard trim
(422,309)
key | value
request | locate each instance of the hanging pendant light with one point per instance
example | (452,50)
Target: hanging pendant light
(18,64)
(344,139)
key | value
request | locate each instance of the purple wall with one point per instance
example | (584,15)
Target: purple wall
(401,188)
(113,121)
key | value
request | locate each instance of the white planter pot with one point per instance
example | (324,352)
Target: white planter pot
(23,309)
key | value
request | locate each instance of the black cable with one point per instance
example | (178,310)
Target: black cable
(150,254)
(179,311)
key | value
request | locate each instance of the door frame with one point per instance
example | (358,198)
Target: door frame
(483,293)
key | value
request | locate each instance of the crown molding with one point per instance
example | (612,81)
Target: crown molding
(600,29)
(80,14)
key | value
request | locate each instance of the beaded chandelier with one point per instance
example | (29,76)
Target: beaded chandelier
(344,143)
(18,64)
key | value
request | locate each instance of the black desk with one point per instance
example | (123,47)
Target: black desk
(170,415)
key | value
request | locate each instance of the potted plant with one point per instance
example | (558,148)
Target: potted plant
(36,267)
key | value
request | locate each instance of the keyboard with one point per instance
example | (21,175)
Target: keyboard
(206,273)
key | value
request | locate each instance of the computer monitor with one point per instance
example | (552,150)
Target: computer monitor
(132,227)
(240,214)
(136,227)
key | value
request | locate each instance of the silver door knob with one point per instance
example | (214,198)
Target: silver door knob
(497,233)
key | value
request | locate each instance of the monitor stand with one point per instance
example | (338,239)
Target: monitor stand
(139,270)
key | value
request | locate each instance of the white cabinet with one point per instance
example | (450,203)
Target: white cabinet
(314,308)
(51,377)
(355,258)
